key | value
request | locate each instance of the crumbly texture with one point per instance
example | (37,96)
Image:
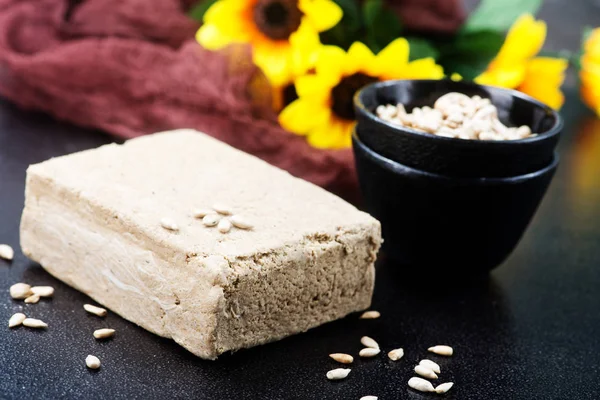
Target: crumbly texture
(92,219)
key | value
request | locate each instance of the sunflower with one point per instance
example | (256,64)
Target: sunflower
(324,109)
(272,27)
(590,71)
(517,66)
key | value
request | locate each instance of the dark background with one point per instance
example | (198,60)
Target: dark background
(531,332)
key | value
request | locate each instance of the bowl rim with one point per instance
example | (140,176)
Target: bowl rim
(395,166)
(554,130)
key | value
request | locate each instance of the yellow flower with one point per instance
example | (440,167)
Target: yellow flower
(272,27)
(324,110)
(590,71)
(517,66)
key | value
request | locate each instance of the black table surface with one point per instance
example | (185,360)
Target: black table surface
(532,331)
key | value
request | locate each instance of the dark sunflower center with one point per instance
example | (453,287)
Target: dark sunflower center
(277,19)
(289,94)
(342,94)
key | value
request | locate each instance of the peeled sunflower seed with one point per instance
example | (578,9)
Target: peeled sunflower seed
(16,320)
(211,220)
(420,384)
(444,387)
(342,358)
(34,298)
(425,372)
(240,222)
(43,291)
(224,225)
(431,365)
(169,224)
(368,398)
(396,354)
(368,342)
(92,362)
(34,323)
(441,350)
(338,373)
(222,209)
(370,315)
(103,333)
(201,212)
(20,291)
(369,352)
(6,252)
(99,311)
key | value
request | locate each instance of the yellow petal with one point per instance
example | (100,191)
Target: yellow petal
(327,135)
(592,47)
(509,77)
(456,77)
(543,79)
(305,47)
(274,60)
(211,38)
(322,14)
(523,41)
(359,59)
(221,11)
(423,68)
(300,116)
(314,86)
(392,59)
(330,62)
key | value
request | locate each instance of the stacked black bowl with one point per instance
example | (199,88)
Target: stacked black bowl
(450,206)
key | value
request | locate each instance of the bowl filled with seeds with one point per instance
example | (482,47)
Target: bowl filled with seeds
(457,128)
(454,171)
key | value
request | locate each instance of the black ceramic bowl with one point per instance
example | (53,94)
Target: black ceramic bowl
(445,225)
(458,157)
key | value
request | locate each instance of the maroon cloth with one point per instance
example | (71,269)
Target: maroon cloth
(132,67)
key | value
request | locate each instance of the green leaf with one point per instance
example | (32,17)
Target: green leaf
(348,29)
(421,48)
(197,11)
(382,26)
(499,14)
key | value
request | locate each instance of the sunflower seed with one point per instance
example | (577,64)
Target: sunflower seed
(20,291)
(43,291)
(99,311)
(370,315)
(368,342)
(441,350)
(431,365)
(169,224)
(240,222)
(211,220)
(338,373)
(420,384)
(396,354)
(425,372)
(6,252)
(369,352)
(342,357)
(16,320)
(444,387)
(34,323)
(34,298)
(103,333)
(92,362)
(222,209)
(224,225)
(368,398)
(201,212)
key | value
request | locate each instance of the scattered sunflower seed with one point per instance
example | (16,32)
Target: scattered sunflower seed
(92,362)
(368,342)
(342,358)
(224,225)
(16,320)
(425,372)
(420,384)
(99,311)
(201,212)
(43,291)
(169,224)
(431,365)
(240,222)
(20,291)
(34,323)
(338,373)
(441,350)
(396,354)
(211,220)
(34,298)
(368,398)
(222,209)
(6,252)
(103,333)
(370,315)
(369,352)
(444,387)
